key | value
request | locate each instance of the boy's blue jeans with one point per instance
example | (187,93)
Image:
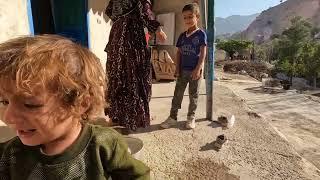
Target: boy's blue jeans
(181,84)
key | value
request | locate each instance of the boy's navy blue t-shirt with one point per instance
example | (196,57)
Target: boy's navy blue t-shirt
(190,48)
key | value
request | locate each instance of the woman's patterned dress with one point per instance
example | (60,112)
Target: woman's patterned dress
(128,65)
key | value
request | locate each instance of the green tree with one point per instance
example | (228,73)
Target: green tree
(233,46)
(311,61)
(267,51)
(290,46)
(314,31)
(275,36)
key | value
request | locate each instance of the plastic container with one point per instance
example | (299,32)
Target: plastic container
(135,146)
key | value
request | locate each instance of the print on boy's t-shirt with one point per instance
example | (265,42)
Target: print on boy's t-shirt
(190,48)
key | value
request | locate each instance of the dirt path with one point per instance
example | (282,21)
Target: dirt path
(294,115)
(254,150)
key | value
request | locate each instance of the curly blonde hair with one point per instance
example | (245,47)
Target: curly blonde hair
(64,68)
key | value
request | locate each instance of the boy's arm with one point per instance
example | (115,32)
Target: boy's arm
(196,74)
(124,166)
(178,61)
(203,53)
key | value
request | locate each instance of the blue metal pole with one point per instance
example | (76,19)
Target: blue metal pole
(88,25)
(30,18)
(210,60)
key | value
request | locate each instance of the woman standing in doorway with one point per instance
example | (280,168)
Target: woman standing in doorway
(128,64)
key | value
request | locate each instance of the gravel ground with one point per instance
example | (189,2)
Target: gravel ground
(254,149)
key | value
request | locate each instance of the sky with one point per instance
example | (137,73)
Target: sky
(225,8)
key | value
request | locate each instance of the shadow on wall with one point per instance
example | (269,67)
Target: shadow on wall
(98,8)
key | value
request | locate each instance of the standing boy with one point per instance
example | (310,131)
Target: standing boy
(190,59)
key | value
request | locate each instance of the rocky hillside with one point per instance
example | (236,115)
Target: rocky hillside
(276,19)
(233,23)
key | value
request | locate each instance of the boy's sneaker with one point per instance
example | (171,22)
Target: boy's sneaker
(225,122)
(191,122)
(169,122)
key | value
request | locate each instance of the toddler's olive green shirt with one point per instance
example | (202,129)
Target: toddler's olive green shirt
(98,154)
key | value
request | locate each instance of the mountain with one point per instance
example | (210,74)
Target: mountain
(274,20)
(232,24)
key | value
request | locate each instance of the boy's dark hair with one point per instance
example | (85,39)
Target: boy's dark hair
(193,7)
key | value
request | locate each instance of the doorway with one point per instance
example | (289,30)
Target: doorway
(63,17)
